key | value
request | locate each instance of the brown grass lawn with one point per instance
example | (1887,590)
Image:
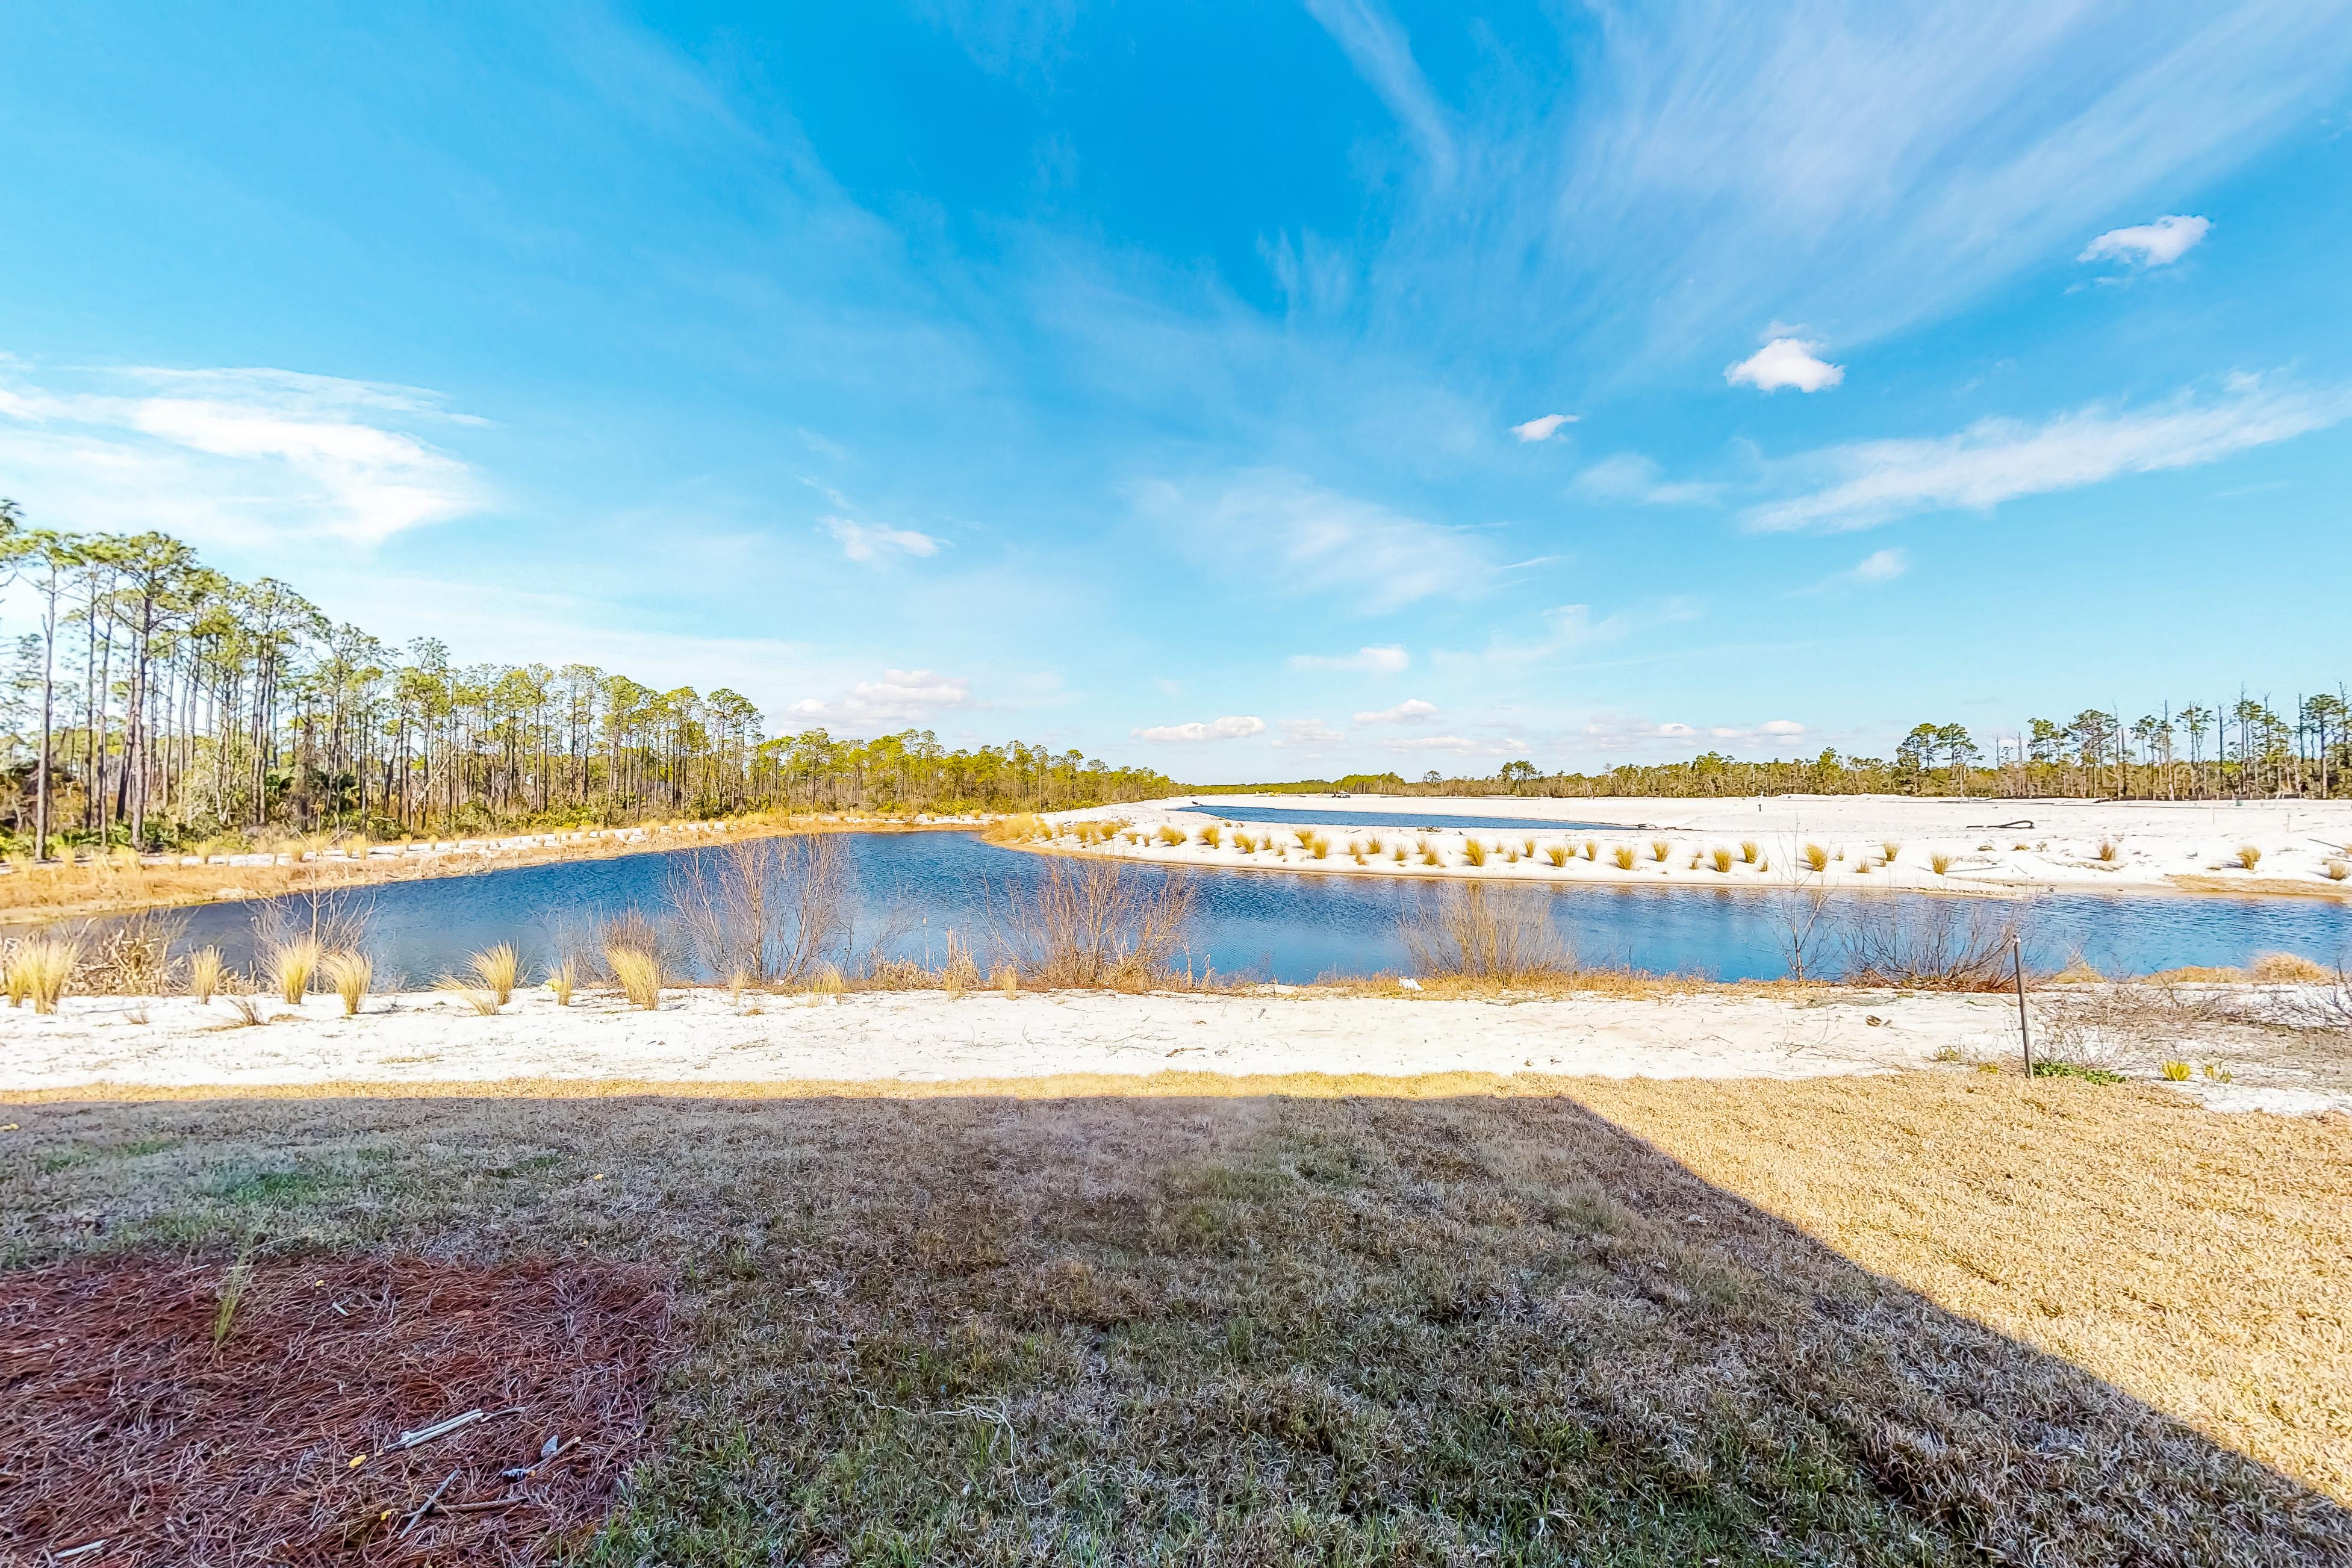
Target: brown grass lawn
(1939,1318)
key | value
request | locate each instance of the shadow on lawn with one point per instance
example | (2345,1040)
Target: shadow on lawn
(1248,1330)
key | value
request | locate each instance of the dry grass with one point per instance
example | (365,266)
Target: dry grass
(352,974)
(496,969)
(2249,856)
(38,969)
(205,973)
(1932,1320)
(1474,852)
(1658,850)
(1816,857)
(1557,855)
(2109,851)
(1939,864)
(1212,835)
(637,970)
(2288,969)
(1170,835)
(2338,870)
(1623,857)
(1891,848)
(289,962)
(563,980)
(1750,851)
(1721,859)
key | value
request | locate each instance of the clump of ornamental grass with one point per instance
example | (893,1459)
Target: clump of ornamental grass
(1244,843)
(2176,1072)
(1399,855)
(1430,857)
(1623,856)
(1170,835)
(1659,848)
(1722,859)
(1939,864)
(2249,856)
(1890,849)
(1557,855)
(1008,980)
(39,968)
(2287,969)
(205,974)
(2338,870)
(1306,837)
(1318,847)
(637,970)
(1212,835)
(1749,851)
(349,976)
(2109,851)
(1474,852)
(1816,857)
(495,968)
(1527,847)
(1374,847)
(562,980)
(290,965)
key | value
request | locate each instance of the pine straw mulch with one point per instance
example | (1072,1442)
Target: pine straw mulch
(122,1421)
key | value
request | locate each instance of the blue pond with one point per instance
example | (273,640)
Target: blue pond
(1279,815)
(1280,925)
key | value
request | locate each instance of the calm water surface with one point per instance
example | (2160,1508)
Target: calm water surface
(1284,926)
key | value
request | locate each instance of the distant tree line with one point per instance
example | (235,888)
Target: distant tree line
(157,701)
(2236,748)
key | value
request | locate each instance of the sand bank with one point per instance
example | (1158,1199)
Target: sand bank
(1986,846)
(918,1037)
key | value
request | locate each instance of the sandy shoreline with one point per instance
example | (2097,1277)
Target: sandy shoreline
(97,1045)
(2073,846)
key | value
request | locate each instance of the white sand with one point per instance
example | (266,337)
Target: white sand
(2159,846)
(703,1036)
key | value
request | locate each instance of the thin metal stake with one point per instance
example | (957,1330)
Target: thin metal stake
(2024,1029)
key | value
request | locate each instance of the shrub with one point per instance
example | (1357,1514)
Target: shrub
(2249,856)
(2338,870)
(1502,932)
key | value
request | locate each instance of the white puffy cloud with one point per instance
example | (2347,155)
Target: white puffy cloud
(1412,711)
(1785,362)
(2157,244)
(901,696)
(1391,660)
(1542,429)
(872,542)
(1995,460)
(1233,727)
(231,457)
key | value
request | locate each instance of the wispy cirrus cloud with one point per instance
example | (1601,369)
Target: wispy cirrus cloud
(873,541)
(1390,659)
(1378,47)
(1332,542)
(1865,483)
(232,456)
(1412,711)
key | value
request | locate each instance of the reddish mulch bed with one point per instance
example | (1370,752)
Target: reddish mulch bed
(121,1422)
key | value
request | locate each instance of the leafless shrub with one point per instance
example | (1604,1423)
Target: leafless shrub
(132,957)
(1095,922)
(1477,931)
(1930,945)
(776,911)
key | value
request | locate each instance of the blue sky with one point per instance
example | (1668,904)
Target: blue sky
(1252,391)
